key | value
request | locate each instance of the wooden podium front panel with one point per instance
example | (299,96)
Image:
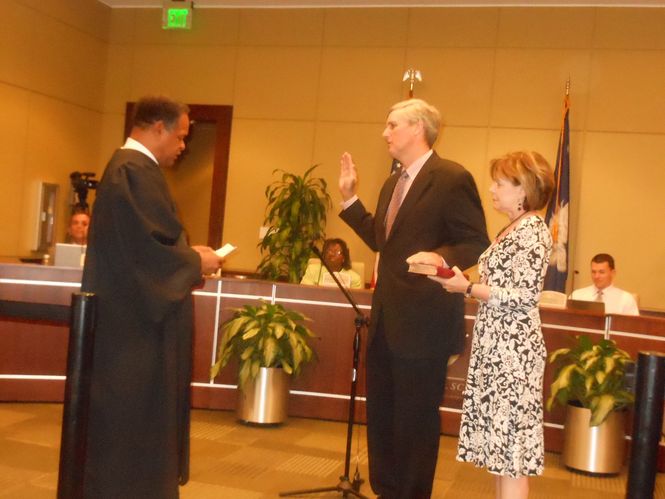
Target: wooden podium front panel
(635,335)
(560,328)
(205,309)
(323,386)
(38,283)
(221,297)
(33,353)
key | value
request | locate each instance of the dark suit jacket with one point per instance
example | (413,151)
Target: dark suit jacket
(441,213)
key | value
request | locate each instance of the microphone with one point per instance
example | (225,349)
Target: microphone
(316,251)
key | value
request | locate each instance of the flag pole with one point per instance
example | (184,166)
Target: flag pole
(558,173)
(557,215)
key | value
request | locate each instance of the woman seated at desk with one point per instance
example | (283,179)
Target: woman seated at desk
(336,255)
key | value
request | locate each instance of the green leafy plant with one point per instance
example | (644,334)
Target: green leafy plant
(267,335)
(296,219)
(591,375)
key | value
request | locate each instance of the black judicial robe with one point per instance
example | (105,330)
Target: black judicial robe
(142,271)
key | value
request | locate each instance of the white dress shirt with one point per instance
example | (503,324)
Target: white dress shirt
(135,145)
(617,301)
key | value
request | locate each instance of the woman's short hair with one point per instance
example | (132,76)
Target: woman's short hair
(531,171)
(345,250)
(152,109)
(415,110)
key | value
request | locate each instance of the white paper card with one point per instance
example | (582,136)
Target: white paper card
(225,250)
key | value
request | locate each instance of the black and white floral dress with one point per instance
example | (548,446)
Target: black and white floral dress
(502,414)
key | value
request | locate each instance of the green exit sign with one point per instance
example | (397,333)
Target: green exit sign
(177,14)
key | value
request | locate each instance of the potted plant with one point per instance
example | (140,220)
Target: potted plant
(296,219)
(270,343)
(589,382)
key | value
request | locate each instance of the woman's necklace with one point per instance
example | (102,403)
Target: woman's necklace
(512,222)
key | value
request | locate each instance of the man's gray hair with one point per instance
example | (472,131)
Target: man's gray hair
(415,110)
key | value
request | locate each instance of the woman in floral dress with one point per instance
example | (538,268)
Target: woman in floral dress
(502,416)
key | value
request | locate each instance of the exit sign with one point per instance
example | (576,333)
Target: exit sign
(177,14)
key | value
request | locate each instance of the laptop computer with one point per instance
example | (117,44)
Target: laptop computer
(589,306)
(69,255)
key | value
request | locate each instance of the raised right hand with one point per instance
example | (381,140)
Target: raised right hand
(348,177)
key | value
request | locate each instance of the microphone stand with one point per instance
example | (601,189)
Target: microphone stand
(345,486)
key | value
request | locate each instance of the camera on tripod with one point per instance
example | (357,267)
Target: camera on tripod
(81,182)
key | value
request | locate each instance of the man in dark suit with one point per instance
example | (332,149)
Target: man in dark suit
(431,204)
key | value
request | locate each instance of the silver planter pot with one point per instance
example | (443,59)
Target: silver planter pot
(264,400)
(594,449)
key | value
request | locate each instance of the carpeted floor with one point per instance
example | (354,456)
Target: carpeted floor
(235,461)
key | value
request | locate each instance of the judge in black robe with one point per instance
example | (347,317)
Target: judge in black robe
(142,271)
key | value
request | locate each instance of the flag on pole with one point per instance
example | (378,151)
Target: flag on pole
(558,209)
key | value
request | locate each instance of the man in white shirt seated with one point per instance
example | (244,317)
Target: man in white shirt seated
(77,232)
(617,301)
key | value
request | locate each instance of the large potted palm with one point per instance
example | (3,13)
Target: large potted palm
(590,382)
(270,343)
(295,219)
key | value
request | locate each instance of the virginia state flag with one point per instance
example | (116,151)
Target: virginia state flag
(558,210)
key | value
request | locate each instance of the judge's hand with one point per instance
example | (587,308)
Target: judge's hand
(456,284)
(427,257)
(348,177)
(210,261)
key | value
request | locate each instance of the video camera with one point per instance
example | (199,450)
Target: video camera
(81,182)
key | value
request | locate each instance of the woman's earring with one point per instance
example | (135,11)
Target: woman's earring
(520,207)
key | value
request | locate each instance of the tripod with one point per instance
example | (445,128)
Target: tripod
(345,485)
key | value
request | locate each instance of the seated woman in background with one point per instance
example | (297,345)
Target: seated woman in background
(336,255)
(77,232)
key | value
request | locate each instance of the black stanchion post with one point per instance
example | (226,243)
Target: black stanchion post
(647,424)
(77,396)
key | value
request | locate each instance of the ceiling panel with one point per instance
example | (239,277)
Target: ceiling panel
(389,3)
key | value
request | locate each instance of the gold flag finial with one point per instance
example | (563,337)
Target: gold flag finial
(412,75)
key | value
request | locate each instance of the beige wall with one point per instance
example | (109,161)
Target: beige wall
(52,70)
(189,181)
(308,84)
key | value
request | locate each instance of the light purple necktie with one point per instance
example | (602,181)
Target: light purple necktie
(396,201)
